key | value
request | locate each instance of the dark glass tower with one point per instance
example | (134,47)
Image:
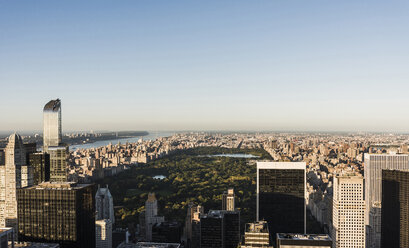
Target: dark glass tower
(281,196)
(395,209)
(57,213)
(220,229)
(41,166)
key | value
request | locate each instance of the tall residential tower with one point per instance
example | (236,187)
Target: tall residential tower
(52,138)
(348,230)
(52,135)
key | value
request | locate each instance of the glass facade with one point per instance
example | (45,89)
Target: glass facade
(63,215)
(281,199)
(52,133)
(41,166)
(395,209)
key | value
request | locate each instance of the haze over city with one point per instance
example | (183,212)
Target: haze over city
(242,65)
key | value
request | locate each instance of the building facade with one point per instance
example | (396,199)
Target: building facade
(103,233)
(281,196)
(52,128)
(228,200)
(104,205)
(220,228)
(14,175)
(192,225)
(374,164)
(256,235)
(58,163)
(40,162)
(151,215)
(348,219)
(291,240)
(61,213)
(395,209)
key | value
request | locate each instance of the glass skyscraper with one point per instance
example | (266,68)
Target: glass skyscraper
(395,209)
(61,213)
(52,133)
(281,196)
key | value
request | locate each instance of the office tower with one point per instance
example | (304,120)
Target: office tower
(104,205)
(58,163)
(61,213)
(211,230)
(220,228)
(11,180)
(281,196)
(105,217)
(395,209)
(256,235)
(348,219)
(40,162)
(166,232)
(103,233)
(151,215)
(374,164)
(52,133)
(291,240)
(192,225)
(29,149)
(27,176)
(228,200)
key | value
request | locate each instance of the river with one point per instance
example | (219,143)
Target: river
(151,136)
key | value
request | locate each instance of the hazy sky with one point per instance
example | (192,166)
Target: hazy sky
(200,65)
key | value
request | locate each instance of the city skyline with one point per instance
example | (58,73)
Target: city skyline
(299,66)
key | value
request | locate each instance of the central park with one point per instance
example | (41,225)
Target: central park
(193,175)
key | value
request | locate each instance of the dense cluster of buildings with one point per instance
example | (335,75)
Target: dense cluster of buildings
(356,187)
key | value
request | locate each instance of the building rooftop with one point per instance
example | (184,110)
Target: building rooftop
(282,165)
(296,236)
(217,213)
(53,105)
(149,245)
(257,227)
(59,186)
(35,245)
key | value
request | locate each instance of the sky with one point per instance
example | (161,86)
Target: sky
(206,65)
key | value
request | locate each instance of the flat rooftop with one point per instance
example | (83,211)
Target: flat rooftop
(149,245)
(282,165)
(296,236)
(58,186)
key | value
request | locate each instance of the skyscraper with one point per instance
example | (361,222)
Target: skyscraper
(105,218)
(103,233)
(192,225)
(395,209)
(348,219)
(40,162)
(151,215)
(104,205)
(14,175)
(281,196)
(228,200)
(52,138)
(220,228)
(61,213)
(52,134)
(58,163)
(374,164)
